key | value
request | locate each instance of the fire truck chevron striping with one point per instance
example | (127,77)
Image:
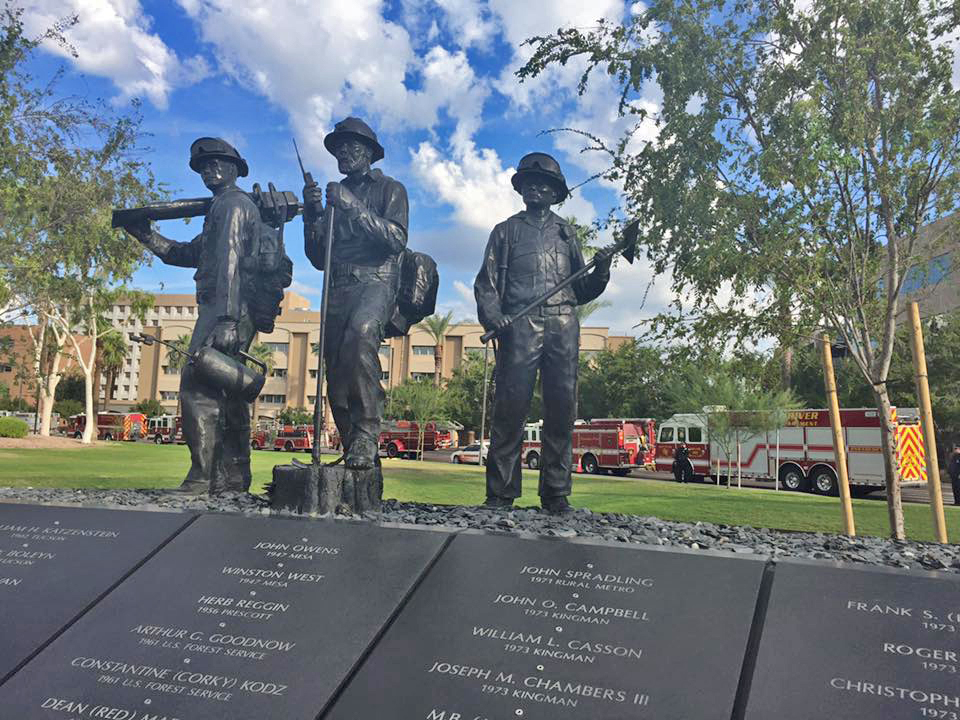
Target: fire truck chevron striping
(800,452)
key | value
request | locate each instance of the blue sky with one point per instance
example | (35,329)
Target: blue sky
(435,78)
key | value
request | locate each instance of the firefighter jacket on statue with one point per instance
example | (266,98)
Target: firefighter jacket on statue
(369,237)
(527,255)
(216,424)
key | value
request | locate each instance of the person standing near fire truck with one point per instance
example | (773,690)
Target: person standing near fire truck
(953,470)
(527,255)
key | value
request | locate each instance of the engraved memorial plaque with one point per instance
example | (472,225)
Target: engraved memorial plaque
(56,561)
(505,628)
(858,644)
(238,618)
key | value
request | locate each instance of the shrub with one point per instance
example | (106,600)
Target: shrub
(12,427)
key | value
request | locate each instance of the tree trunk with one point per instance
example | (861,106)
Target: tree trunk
(786,368)
(891,466)
(438,363)
(90,429)
(48,395)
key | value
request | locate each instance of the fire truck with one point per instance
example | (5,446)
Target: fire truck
(294,437)
(800,453)
(111,426)
(604,445)
(401,438)
(262,436)
(165,429)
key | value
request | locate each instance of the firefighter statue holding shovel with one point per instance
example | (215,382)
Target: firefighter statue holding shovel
(532,279)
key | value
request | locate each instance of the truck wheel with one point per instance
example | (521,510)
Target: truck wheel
(254,445)
(157,440)
(792,479)
(108,437)
(533,461)
(825,483)
(589,464)
(78,435)
(392,450)
(288,446)
(457,460)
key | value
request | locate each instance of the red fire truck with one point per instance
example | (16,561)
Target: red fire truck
(262,436)
(111,426)
(604,445)
(401,438)
(294,437)
(165,429)
(800,453)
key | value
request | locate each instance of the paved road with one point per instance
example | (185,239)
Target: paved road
(910,494)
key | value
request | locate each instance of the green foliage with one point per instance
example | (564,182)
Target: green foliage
(70,387)
(263,353)
(66,408)
(295,416)
(150,408)
(178,360)
(464,393)
(626,382)
(11,427)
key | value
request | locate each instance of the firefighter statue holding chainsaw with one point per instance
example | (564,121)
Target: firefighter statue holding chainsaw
(241,273)
(532,279)
(366,213)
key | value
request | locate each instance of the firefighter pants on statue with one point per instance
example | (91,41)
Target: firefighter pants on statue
(217,431)
(360,306)
(548,341)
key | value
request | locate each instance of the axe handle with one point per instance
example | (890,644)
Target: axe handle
(173,210)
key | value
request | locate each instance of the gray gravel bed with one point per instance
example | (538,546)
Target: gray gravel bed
(611,527)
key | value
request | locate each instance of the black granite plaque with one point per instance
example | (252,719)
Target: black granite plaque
(56,561)
(858,644)
(237,618)
(505,628)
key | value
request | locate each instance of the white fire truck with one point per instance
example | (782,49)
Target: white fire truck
(603,445)
(164,429)
(800,453)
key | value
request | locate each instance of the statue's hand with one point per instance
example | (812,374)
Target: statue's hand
(142,231)
(312,202)
(501,323)
(226,339)
(603,258)
(341,197)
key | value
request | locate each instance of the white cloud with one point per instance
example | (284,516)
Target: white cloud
(114,39)
(334,56)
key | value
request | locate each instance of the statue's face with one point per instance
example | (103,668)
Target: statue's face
(217,173)
(537,191)
(352,156)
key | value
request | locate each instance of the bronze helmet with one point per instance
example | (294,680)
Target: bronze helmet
(544,165)
(215,147)
(356,128)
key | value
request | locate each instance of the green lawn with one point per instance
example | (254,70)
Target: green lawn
(130,465)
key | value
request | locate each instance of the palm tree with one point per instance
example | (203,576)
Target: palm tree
(177,360)
(113,351)
(263,353)
(437,326)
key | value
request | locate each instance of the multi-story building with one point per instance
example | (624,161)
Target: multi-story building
(293,380)
(17,358)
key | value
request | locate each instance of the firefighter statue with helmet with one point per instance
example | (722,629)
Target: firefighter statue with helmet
(216,421)
(527,255)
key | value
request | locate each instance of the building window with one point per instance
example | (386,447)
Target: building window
(423,350)
(311,399)
(169,394)
(421,376)
(167,370)
(6,368)
(313,373)
(278,347)
(278,372)
(385,350)
(384,375)
(273,399)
